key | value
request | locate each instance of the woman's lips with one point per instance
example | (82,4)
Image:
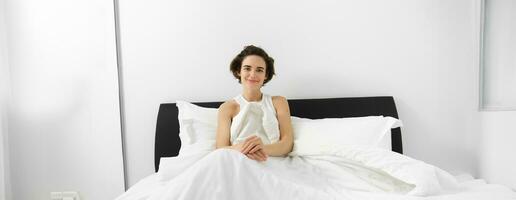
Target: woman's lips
(253,81)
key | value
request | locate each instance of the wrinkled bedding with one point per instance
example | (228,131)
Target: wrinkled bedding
(350,172)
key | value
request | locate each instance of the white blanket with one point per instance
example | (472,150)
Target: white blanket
(343,173)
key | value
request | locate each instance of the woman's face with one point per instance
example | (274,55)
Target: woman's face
(252,72)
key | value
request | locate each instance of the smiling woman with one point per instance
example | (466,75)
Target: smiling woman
(252,55)
(253,123)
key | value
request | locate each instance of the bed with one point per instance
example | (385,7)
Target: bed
(421,176)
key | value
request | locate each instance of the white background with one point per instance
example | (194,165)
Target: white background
(4,93)
(61,60)
(64,121)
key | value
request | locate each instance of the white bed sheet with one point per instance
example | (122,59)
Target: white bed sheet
(229,175)
(474,189)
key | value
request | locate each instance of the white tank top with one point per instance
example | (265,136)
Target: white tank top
(255,118)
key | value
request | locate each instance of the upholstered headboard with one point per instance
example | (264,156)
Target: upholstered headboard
(167,142)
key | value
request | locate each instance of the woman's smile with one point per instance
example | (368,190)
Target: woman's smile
(253,81)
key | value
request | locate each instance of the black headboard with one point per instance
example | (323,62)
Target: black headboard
(167,142)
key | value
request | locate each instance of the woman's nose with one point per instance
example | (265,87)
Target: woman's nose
(253,74)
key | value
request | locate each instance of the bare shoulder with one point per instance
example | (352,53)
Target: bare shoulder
(229,107)
(280,103)
(279,100)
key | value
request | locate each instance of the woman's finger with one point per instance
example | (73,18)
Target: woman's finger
(248,148)
(256,148)
(247,144)
(262,156)
(250,138)
(244,145)
(262,153)
(251,145)
(252,156)
(257,140)
(256,156)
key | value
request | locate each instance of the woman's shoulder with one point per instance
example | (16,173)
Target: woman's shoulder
(229,104)
(279,99)
(229,107)
(279,102)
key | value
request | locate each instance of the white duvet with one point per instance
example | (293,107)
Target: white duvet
(351,172)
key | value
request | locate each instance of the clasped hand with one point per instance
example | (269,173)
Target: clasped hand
(252,147)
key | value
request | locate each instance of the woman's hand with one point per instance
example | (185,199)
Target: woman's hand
(252,147)
(257,155)
(237,147)
(252,144)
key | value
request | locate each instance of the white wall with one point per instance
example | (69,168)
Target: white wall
(424,53)
(4,93)
(497,161)
(64,120)
(497,164)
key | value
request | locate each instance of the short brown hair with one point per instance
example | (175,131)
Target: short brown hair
(236,64)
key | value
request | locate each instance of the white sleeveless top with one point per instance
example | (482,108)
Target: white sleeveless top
(255,118)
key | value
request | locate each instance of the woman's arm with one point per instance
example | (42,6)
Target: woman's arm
(225,113)
(286,142)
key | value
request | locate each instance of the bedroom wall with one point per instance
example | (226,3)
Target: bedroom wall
(4,93)
(64,120)
(497,160)
(424,53)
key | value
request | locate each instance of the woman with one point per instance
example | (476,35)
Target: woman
(254,123)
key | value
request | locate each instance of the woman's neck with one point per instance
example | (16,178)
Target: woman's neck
(252,95)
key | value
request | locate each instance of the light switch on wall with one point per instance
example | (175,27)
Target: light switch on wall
(64,196)
(56,196)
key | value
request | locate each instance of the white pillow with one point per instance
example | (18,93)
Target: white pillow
(386,141)
(312,136)
(197,128)
(197,131)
